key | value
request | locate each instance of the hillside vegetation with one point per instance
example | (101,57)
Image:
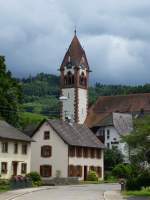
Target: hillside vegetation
(41,94)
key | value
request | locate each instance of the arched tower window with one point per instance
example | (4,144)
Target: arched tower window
(69,79)
(83,80)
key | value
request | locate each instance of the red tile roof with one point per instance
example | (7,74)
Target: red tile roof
(107,104)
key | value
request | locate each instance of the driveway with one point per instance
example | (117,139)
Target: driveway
(76,192)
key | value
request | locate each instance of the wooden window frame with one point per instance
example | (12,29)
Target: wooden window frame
(71,170)
(92,153)
(78,171)
(72,151)
(46,151)
(79,152)
(15,147)
(43,172)
(4,167)
(4,147)
(98,153)
(24,149)
(85,152)
(46,135)
(99,171)
(23,168)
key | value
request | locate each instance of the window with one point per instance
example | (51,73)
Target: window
(16,148)
(46,151)
(98,153)
(46,170)
(92,153)
(92,168)
(46,135)
(108,134)
(108,145)
(79,171)
(71,151)
(79,152)
(23,168)
(24,148)
(85,152)
(4,147)
(71,170)
(4,167)
(83,80)
(99,171)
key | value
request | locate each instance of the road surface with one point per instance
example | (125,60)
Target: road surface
(78,192)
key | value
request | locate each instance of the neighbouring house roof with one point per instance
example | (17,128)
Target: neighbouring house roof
(7,131)
(72,134)
(122,122)
(106,105)
(75,52)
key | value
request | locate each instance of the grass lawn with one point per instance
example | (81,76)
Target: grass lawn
(4,188)
(142,193)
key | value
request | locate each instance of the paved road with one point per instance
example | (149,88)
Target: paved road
(78,192)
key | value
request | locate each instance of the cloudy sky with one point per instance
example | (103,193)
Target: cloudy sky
(35,34)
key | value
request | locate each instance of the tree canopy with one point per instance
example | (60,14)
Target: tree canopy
(139,141)
(10,95)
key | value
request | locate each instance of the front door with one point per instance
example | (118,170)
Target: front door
(85,173)
(15,166)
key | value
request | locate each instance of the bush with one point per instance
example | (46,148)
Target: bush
(35,177)
(144,179)
(92,176)
(124,171)
(133,184)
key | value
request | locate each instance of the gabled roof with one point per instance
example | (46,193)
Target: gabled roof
(9,132)
(105,105)
(122,122)
(75,52)
(73,134)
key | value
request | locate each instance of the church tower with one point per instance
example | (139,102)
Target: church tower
(74,82)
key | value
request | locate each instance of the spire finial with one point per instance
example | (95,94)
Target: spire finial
(75,30)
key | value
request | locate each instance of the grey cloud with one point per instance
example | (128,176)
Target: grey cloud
(34,36)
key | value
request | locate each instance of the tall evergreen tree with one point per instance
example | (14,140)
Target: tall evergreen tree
(10,95)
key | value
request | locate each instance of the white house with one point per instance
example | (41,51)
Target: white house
(69,150)
(15,151)
(111,129)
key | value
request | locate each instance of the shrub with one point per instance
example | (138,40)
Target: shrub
(92,176)
(124,171)
(35,177)
(144,179)
(133,184)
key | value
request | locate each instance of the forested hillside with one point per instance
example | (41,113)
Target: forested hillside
(41,93)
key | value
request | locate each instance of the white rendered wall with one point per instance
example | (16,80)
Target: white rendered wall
(88,162)
(68,105)
(83,101)
(59,158)
(11,156)
(122,146)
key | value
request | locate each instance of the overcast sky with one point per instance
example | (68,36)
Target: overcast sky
(35,34)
